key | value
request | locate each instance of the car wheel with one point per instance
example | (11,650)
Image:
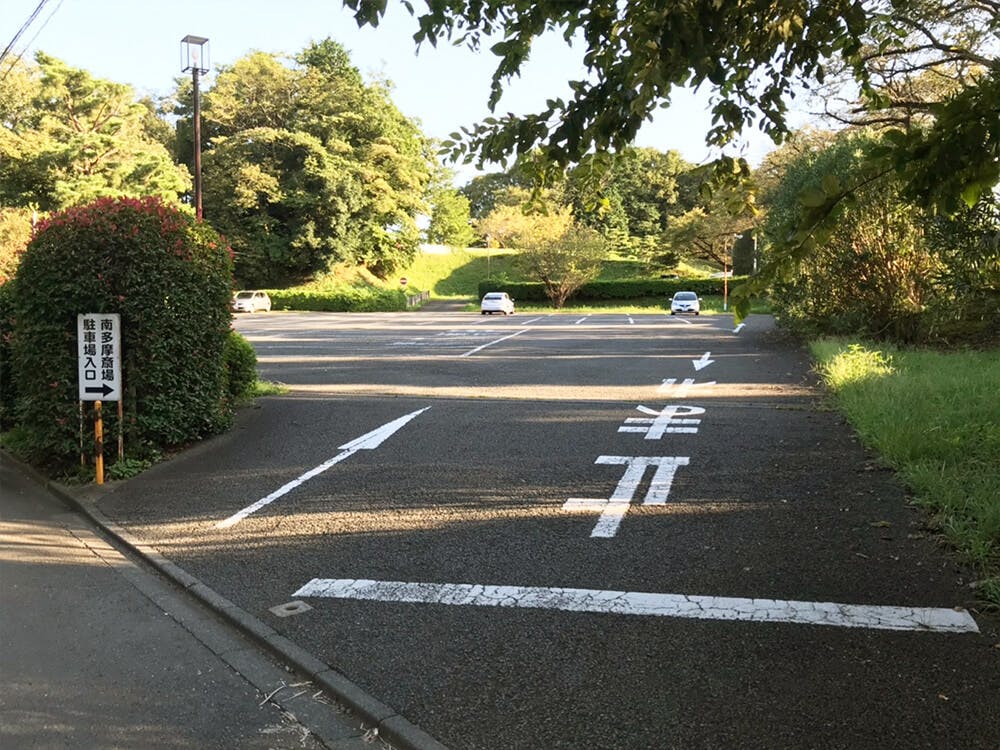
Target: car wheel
(672,312)
(697,313)
(482,312)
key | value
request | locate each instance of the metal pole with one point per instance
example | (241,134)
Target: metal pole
(197,143)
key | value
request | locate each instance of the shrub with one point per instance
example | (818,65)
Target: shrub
(241,366)
(6,380)
(169,278)
(344,299)
(610,289)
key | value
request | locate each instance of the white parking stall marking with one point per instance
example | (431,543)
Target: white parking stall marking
(685,321)
(368,441)
(491,343)
(533,320)
(739,328)
(613,509)
(578,322)
(642,604)
(631,322)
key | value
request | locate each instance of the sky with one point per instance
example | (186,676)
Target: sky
(138,42)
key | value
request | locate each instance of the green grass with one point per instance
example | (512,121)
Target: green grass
(934,417)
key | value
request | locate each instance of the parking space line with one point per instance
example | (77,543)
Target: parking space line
(491,343)
(918,619)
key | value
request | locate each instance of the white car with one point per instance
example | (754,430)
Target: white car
(251,302)
(685,302)
(497,302)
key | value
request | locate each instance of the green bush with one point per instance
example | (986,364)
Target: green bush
(170,279)
(617,289)
(241,366)
(7,397)
(345,299)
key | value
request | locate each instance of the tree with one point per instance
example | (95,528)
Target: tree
(873,273)
(284,202)
(552,247)
(449,224)
(754,55)
(630,197)
(563,262)
(69,138)
(322,166)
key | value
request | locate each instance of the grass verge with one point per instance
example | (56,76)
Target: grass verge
(933,417)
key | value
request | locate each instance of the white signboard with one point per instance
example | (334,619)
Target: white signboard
(99,347)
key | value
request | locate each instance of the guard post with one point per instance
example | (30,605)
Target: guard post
(100,371)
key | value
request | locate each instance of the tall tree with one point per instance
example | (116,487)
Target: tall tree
(67,138)
(754,55)
(314,166)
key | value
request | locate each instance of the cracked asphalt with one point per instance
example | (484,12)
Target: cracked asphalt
(778,509)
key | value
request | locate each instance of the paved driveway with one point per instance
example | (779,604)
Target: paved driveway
(579,531)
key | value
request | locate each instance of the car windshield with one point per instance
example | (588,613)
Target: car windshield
(685,296)
(244,295)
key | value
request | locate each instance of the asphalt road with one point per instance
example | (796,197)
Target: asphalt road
(479,559)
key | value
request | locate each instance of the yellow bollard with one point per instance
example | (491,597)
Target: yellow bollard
(99,441)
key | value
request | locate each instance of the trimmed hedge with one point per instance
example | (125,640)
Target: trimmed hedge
(615,289)
(170,279)
(347,299)
(241,366)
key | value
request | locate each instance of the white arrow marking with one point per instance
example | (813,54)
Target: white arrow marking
(367,442)
(739,328)
(701,364)
(636,603)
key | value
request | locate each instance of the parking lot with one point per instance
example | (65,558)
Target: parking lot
(572,530)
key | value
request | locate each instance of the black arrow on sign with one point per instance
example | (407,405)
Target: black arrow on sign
(104,390)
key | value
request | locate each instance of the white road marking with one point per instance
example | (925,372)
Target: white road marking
(491,343)
(919,619)
(578,322)
(660,422)
(676,317)
(630,321)
(703,362)
(739,328)
(532,320)
(613,509)
(681,390)
(368,441)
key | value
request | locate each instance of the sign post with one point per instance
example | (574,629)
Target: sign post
(100,370)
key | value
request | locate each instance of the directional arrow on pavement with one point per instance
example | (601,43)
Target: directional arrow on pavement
(701,364)
(367,442)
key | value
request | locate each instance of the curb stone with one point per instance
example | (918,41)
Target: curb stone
(390,726)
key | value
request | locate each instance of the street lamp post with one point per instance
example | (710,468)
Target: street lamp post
(194,57)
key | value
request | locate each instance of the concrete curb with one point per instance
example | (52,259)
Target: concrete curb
(391,726)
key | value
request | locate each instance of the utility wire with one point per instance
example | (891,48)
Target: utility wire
(30,41)
(31,20)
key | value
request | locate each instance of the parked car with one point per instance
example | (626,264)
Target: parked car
(497,302)
(685,302)
(251,301)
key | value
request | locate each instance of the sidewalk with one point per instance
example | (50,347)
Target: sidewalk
(98,651)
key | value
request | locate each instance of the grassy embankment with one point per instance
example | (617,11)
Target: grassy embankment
(933,417)
(456,276)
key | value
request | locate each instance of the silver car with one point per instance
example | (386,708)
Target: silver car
(685,302)
(251,302)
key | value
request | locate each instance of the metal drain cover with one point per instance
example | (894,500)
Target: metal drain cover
(289,609)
